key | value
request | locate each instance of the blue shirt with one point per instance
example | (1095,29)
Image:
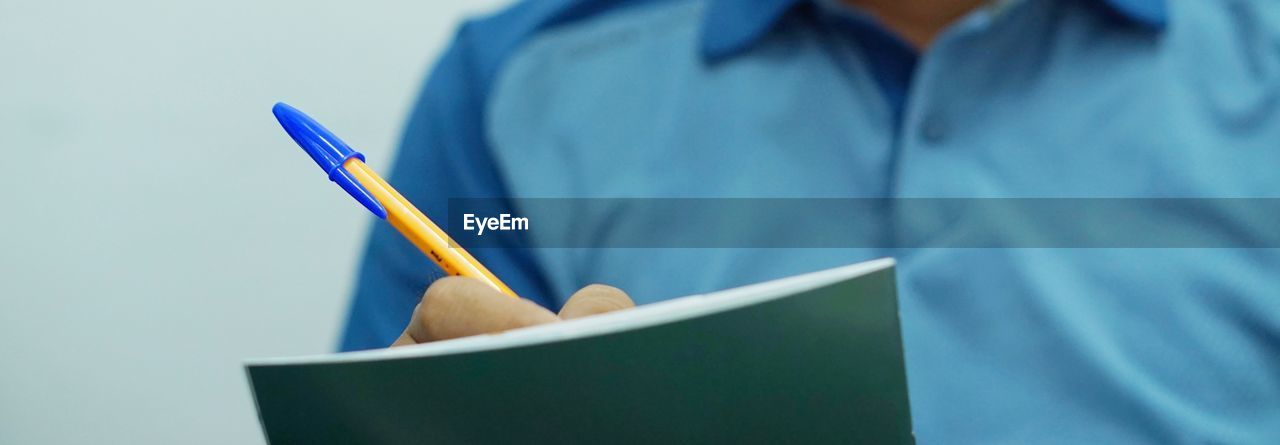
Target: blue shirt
(787,98)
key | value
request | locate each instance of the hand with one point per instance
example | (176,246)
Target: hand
(458,307)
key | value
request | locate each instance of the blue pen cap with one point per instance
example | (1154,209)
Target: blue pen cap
(328,151)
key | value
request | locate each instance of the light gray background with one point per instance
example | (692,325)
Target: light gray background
(158,227)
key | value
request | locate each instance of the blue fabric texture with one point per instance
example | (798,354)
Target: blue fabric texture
(792,98)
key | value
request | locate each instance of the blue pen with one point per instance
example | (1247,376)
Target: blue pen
(347,168)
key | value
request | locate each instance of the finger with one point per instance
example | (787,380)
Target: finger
(595,299)
(458,307)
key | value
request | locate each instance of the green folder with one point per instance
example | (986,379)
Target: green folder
(814,358)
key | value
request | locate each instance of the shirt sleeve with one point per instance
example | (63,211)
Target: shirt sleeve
(442,155)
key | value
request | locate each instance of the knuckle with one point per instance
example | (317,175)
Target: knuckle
(602,298)
(602,289)
(438,303)
(442,290)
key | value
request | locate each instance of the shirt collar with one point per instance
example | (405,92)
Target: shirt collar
(730,26)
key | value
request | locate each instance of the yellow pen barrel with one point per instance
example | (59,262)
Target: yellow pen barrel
(415,226)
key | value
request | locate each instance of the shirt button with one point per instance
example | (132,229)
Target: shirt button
(933,129)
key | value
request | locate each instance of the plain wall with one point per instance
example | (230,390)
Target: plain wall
(158,226)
